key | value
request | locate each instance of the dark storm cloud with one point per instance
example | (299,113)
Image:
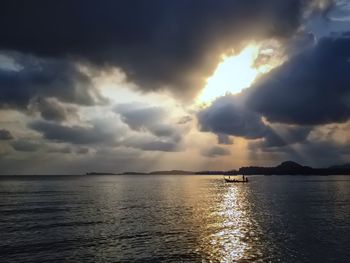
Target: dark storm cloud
(102,133)
(216,151)
(150,144)
(283,141)
(73,134)
(281,135)
(157,43)
(5,135)
(63,150)
(45,78)
(162,130)
(328,150)
(155,132)
(52,110)
(140,117)
(67,150)
(228,116)
(224,139)
(83,150)
(311,88)
(313,152)
(24,145)
(184,120)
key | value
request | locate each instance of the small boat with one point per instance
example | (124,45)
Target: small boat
(243,180)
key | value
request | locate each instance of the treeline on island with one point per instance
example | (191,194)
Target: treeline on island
(285,168)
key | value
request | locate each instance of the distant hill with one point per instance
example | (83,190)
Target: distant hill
(285,168)
(289,165)
(293,168)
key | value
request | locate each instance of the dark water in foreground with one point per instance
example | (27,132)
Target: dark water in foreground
(174,219)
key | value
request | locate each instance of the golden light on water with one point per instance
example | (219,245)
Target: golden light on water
(233,74)
(234,221)
(228,229)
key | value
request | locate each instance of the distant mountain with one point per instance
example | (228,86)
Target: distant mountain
(289,165)
(285,168)
(292,168)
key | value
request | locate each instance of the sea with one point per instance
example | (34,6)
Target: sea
(174,218)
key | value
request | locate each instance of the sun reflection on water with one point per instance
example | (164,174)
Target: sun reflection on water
(229,238)
(231,230)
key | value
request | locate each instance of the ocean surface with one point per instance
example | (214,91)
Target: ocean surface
(174,219)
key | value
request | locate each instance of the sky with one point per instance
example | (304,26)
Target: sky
(137,85)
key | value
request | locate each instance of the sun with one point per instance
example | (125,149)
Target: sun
(232,75)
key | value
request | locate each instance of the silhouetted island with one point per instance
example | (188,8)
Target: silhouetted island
(172,172)
(285,168)
(100,173)
(292,168)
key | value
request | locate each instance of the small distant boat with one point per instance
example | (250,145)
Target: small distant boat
(234,180)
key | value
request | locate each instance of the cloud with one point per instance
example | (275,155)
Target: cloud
(311,88)
(281,135)
(53,78)
(5,150)
(150,144)
(322,145)
(185,119)
(139,116)
(172,44)
(83,150)
(64,150)
(164,130)
(102,132)
(67,149)
(24,145)
(93,134)
(227,115)
(216,151)
(224,139)
(162,45)
(155,120)
(284,142)
(318,153)
(52,110)
(283,107)
(5,135)
(155,131)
